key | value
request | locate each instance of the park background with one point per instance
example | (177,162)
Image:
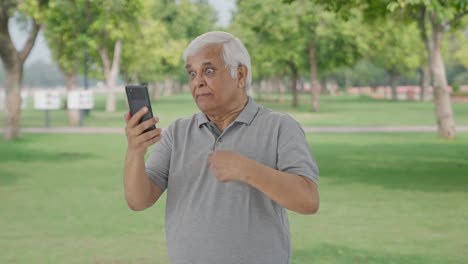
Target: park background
(357,75)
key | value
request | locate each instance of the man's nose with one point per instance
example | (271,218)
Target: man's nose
(199,81)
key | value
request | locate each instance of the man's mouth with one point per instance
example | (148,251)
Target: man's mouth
(203,95)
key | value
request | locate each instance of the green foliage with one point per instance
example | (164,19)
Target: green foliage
(444,12)
(109,21)
(146,46)
(66,33)
(154,49)
(459,43)
(35,9)
(184,21)
(341,42)
(365,73)
(279,33)
(271,33)
(396,47)
(73,26)
(455,52)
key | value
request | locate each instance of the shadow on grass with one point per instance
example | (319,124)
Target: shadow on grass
(18,154)
(6,177)
(34,155)
(333,254)
(433,166)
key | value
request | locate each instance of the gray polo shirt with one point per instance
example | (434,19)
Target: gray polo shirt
(212,222)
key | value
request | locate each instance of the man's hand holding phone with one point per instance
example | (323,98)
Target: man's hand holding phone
(138,140)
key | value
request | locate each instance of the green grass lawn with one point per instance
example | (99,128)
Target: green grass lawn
(342,110)
(385,198)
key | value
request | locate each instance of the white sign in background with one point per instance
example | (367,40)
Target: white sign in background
(47,100)
(80,99)
(24,100)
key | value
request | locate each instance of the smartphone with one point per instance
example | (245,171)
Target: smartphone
(138,98)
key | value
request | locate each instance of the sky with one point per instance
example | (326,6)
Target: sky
(42,52)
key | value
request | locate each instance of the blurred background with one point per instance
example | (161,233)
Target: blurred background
(380,87)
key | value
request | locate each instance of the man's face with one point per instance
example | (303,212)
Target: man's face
(213,88)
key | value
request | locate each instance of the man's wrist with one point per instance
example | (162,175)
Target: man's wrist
(135,154)
(250,167)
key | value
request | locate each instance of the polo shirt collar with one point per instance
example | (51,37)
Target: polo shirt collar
(248,113)
(202,119)
(246,116)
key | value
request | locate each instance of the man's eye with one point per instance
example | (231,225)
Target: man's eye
(209,71)
(192,74)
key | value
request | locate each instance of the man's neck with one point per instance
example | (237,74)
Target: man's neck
(224,120)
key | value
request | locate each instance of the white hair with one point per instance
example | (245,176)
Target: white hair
(234,52)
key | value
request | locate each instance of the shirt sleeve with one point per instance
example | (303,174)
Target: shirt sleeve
(294,154)
(158,163)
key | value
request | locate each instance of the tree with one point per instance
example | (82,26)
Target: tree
(396,48)
(436,17)
(148,46)
(334,42)
(272,35)
(302,36)
(64,30)
(32,13)
(184,20)
(109,24)
(153,51)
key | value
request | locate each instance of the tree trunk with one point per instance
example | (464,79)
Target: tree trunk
(443,105)
(156,91)
(293,82)
(13,61)
(135,78)
(178,87)
(394,80)
(426,69)
(314,83)
(269,86)
(262,89)
(254,91)
(110,101)
(347,79)
(168,86)
(112,73)
(282,90)
(424,82)
(12,112)
(73,114)
(276,83)
(323,86)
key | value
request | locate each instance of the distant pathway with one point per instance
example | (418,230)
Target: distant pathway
(319,129)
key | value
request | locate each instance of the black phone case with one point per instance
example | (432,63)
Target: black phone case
(138,98)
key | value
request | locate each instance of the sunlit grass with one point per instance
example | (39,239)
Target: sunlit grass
(385,198)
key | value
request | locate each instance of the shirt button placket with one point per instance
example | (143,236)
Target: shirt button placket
(217,143)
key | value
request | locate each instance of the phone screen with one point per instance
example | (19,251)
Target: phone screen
(138,98)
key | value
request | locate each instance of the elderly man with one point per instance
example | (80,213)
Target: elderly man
(230,171)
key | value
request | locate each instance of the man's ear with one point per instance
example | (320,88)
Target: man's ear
(242,75)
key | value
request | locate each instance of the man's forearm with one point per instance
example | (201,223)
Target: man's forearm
(138,187)
(292,191)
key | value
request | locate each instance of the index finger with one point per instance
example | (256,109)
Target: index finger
(134,120)
(127,116)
